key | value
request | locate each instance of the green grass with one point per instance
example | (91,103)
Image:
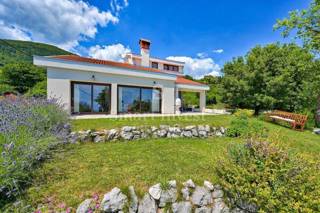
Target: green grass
(109,123)
(82,170)
(78,171)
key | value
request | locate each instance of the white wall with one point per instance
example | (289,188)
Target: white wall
(59,86)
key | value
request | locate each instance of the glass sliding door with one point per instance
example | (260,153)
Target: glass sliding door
(129,100)
(156,101)
(146,100)
(138,100)
(90,98)
(101,98)
(82,98)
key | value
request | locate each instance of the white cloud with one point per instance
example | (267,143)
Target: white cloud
(114,52)
(60,22)
(12,32)
(118,5)
(198,67)
(219,51)
(202,55)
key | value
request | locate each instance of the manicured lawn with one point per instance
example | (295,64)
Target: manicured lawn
(78,171)
(103,123)
(82,170)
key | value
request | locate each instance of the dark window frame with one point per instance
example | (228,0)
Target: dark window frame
(154,63)
(171,67)
(140,87)
(91,84)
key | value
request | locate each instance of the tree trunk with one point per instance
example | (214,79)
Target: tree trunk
(256,111)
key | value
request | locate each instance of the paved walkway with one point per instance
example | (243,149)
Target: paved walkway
(209,112)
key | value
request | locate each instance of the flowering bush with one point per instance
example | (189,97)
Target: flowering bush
(29,128)
(262,177)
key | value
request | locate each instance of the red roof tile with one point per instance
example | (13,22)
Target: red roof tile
(104,62)
(182,80)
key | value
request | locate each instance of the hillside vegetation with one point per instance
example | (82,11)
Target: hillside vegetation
(17,73)
(13,51)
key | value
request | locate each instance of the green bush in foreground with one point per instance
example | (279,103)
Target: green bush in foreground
(262,177)
(242,126)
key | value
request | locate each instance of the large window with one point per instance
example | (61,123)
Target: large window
(154,65)
(90,98)
(139,100)
(170,67)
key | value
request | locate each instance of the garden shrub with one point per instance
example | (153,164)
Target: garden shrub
(263,177)
(242,126)
(29,128)
(246,112)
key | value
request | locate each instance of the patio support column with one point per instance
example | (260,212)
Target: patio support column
(202,101)
(114,99)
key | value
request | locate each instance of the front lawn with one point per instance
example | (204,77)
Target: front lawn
(109,123)
(78,171)
(82,170)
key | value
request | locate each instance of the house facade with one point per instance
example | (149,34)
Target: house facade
(140,84)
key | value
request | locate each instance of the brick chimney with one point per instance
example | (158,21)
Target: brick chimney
(145,52)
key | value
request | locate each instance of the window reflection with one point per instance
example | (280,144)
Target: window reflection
(138,100)
(90,98)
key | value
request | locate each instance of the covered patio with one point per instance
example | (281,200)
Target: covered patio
(186,85)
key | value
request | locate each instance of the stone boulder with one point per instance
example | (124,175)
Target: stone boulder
(203,210)
(316,131)
(169,195)
(217,192)
(208,185)
(126,135)
(189,183)
(134,203)
(113,201)
(85,206)
(185,193)
(201,197)
(112,134)
(99,139)
(155,191)
(219,206)
(182,207)
(147,205)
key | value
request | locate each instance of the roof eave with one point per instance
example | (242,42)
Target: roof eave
(193,87)
(85,66)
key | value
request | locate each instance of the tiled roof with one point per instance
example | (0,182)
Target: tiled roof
(182,80)
(104,62)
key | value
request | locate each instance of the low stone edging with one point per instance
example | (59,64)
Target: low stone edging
(129,133)
(198,199)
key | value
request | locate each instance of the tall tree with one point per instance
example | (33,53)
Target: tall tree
(307,25)
(268,77)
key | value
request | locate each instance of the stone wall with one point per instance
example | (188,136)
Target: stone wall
(129,133)
(208,198)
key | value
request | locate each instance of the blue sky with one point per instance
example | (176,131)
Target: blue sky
(176,28)
(186,28)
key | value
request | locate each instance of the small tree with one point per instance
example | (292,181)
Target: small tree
(22,76)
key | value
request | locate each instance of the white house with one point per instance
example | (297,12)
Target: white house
(141,84)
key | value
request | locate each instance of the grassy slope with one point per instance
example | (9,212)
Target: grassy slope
(81,170)
(9,51)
